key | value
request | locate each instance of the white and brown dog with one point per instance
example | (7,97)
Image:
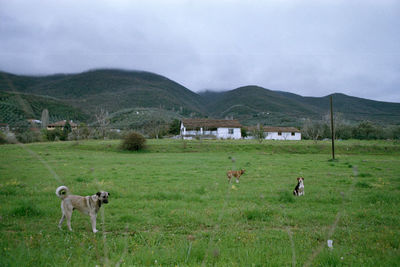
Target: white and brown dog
(299,189)
(88,205)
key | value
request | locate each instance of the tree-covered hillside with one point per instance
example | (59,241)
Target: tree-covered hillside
(16,107)
(82,95)
(110,89)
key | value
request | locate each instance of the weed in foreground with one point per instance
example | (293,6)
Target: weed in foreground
(26,209)
(363,185)
(286,197)
(258,215)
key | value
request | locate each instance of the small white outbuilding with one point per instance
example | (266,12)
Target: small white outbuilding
(276,133)
(281,133)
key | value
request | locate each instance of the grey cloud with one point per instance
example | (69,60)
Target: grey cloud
(305,47)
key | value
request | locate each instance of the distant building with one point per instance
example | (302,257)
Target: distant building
(60,125)
(209,128)
(34,124)
(278,133)
(282,133)
(34,121)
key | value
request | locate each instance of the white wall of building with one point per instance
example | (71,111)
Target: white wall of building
(220,133)
(229,133)
(282,136)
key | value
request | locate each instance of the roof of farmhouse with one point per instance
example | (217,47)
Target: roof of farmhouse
(209,123)
(273,129)
(280,129)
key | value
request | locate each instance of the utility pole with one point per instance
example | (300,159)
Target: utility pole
(333,131)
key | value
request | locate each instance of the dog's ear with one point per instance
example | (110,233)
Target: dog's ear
(109,194)
(98,194)
(298,178)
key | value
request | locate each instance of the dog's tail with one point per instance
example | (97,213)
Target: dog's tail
(62,191)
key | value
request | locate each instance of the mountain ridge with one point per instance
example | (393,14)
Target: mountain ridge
(116,89)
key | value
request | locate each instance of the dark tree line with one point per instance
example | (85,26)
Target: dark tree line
(318,130)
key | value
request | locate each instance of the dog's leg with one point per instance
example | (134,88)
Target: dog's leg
(237,180)
(62,216)
(61,221)
(93,219)
(68,214)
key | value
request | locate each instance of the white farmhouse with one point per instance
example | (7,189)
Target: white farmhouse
(209,128)
(281,133)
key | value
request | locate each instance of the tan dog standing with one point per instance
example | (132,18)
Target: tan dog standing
(235,174)
(88,205)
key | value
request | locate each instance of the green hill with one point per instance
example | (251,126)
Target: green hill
(16,107)
(138,118)
(353,108)
(124,93)
(110,89)
(253,104)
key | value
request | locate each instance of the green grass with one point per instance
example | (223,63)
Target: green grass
(171,205)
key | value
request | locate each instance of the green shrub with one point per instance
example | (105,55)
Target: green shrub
(52,135)
(174,127)
(28,137)
(243,131)
(133,141)
(65,131)
(3,138)
(110,134)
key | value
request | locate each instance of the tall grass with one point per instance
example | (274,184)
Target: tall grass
(171,205)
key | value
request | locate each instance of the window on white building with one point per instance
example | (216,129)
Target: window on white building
(279,133)
(230,131)
(293,134)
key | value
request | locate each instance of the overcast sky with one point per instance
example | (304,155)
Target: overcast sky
(312,48)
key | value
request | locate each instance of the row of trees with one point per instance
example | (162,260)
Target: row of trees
(26,134)
(317,130)
(312,129)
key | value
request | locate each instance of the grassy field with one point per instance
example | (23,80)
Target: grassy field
(171,205)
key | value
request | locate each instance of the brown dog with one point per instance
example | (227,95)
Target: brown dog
(236,174)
